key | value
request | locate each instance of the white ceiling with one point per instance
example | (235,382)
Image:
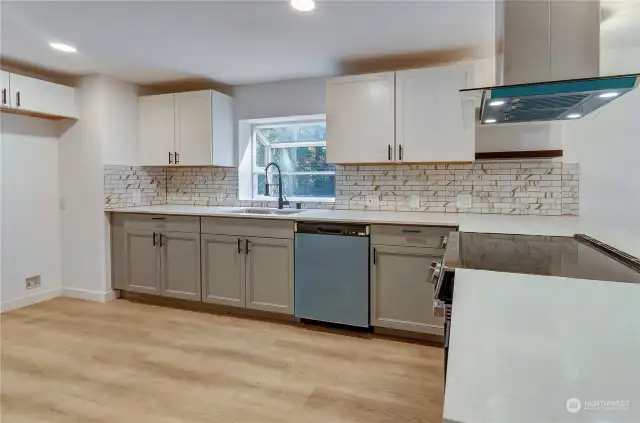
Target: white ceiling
(235,42)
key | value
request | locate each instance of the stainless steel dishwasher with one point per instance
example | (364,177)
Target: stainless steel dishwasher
(332,273)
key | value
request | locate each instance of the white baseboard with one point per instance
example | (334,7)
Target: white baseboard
(83,294)
(30,299)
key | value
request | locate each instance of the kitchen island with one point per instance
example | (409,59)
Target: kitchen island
(530,349)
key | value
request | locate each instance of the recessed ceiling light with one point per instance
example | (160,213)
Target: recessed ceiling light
(303,5)
(63,47)
(609,95)
(574,116)
(491,120)
(497,103)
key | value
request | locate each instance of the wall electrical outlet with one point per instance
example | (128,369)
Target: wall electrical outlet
(220,198)
(137,196)
(32,282)
(414,201)
(373,200)
(464,201)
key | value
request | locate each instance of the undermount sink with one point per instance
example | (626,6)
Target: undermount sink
(267,211)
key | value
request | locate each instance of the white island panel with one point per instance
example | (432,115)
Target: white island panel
(521,346)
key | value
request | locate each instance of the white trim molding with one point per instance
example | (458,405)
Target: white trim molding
(83,294)
(30,299)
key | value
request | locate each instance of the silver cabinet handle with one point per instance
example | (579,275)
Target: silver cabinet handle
(400,151)
(18,99)
(4,96)
(177,156)
(170,157)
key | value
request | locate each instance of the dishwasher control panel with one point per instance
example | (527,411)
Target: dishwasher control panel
(340,229)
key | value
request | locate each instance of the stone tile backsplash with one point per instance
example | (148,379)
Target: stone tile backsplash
(527,187)
(121,183)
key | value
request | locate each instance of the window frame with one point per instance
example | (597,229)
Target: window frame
(256,170)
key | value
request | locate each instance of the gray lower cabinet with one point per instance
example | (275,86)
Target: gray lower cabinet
(162,263)
(180,265)
(223,269)
(269,274)
(142,262)
(401,292)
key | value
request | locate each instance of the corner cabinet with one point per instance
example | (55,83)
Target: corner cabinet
(186,129)
(22,94)
(409,116)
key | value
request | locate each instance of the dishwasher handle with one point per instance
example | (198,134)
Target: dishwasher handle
(329,231)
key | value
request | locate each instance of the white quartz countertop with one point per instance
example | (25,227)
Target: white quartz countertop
(528,225)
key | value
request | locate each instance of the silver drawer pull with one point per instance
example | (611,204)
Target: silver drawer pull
(411,231)
(157,218)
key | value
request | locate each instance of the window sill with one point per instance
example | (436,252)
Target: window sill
(293,200)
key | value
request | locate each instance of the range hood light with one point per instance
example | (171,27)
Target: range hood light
(489,121)
(497,103)
(609,95)
(574,116)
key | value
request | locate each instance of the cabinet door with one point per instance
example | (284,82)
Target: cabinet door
(142,262)
(156,130)
(180,265)
(223,262)
(430,123)
(401,289)
(5,91)
(35,95)
(269,274)
(194,136)
(360,118)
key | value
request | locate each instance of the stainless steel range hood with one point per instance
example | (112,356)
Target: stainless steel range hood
(547,66)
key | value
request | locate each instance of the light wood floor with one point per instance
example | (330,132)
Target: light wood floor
(74,361)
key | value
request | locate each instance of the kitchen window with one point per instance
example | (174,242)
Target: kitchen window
(300,149)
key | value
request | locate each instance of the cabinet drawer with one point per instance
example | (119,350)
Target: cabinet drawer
(262,228)
(153,222)
(410,236)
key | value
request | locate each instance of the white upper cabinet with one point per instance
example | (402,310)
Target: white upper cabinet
(32,95)
(186,129)
(412,116)
(5,92)
(430,123)
(360,119)
(157,130)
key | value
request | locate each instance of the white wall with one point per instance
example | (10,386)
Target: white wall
(280,99)
(607,146)
(118,104)
(30,209)
(106,131)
